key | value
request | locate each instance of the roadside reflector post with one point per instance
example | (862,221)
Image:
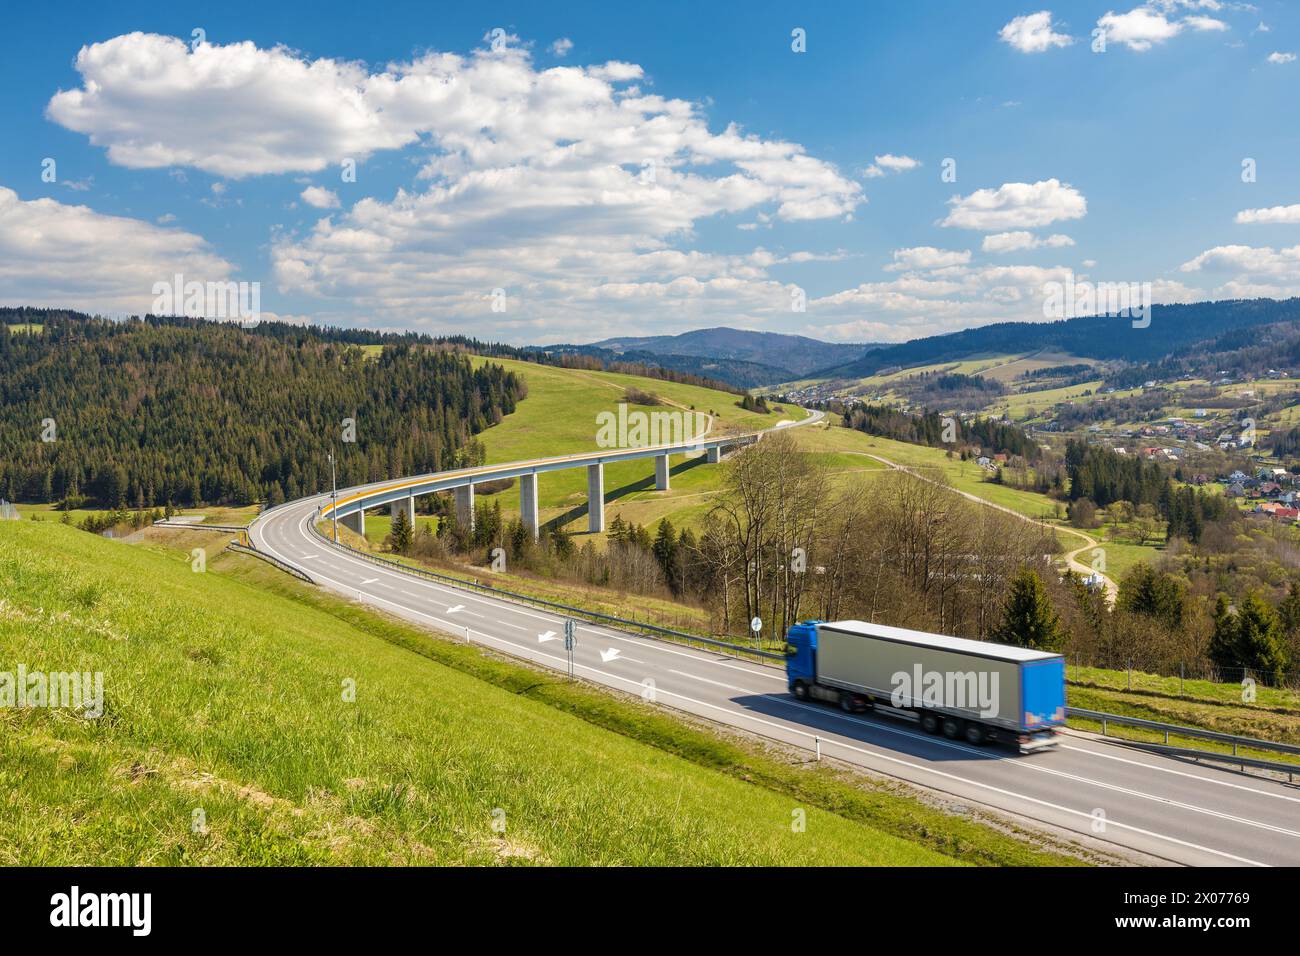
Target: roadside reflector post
(818,742)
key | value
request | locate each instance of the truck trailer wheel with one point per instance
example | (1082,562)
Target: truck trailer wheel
(975,734)
(847,703)
(951,728)
(929,722)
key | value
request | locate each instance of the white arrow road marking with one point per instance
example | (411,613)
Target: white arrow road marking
(610,655)
(311,555)
(545,636)
(370,580)
(453,610)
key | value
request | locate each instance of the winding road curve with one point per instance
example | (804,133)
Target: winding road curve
(1097,792)
(1070,557)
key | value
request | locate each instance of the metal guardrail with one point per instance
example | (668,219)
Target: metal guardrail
(643,626)
(282,565)
(1175,730)
(199,526)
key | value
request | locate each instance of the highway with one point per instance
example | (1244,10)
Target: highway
(1172,810)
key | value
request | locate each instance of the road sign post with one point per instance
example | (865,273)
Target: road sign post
(570,641)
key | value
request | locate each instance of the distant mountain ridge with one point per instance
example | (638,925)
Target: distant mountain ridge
(797,354)
(1099,337)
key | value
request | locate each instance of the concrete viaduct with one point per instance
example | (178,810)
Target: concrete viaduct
(351,506)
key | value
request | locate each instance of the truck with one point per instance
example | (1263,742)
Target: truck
(976,691)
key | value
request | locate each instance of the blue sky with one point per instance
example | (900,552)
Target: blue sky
(595,171)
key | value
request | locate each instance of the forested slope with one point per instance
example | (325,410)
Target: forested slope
(182,410)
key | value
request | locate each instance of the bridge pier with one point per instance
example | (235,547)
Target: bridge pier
(465,506)
(528,503)
(406,504)
(714,455)
(661,473)
(356,521)
(596,498)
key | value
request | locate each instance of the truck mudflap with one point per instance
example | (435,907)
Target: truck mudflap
(1039,740)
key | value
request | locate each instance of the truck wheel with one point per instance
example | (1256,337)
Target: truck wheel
(951,728)
(800,690)
(975,735)
(930,722)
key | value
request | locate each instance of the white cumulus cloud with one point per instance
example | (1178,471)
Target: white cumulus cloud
(927,257)
(1016,206)
(58,255)
(889,163)
(1019,240)
(1033,33)
(1289,215)
(320,197)
(1150,24)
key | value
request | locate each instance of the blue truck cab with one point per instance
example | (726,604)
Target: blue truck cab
(801,655)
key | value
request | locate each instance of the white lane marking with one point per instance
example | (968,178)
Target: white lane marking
(370,580)
(1038,768)
(885,757)
(695,656)
(1166,800)
(1178,773)
(715,683)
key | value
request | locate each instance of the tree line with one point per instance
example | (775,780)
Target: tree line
(142,413)
(933,429)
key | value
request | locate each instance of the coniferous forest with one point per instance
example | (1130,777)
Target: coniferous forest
(145,412)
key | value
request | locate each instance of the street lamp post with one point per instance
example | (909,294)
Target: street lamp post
(334,500)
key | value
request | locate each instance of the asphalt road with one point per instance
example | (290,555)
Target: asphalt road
(1174,810)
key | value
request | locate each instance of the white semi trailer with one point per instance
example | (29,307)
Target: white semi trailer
(973,690)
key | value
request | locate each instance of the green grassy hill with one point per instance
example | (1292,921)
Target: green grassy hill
(224,693)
